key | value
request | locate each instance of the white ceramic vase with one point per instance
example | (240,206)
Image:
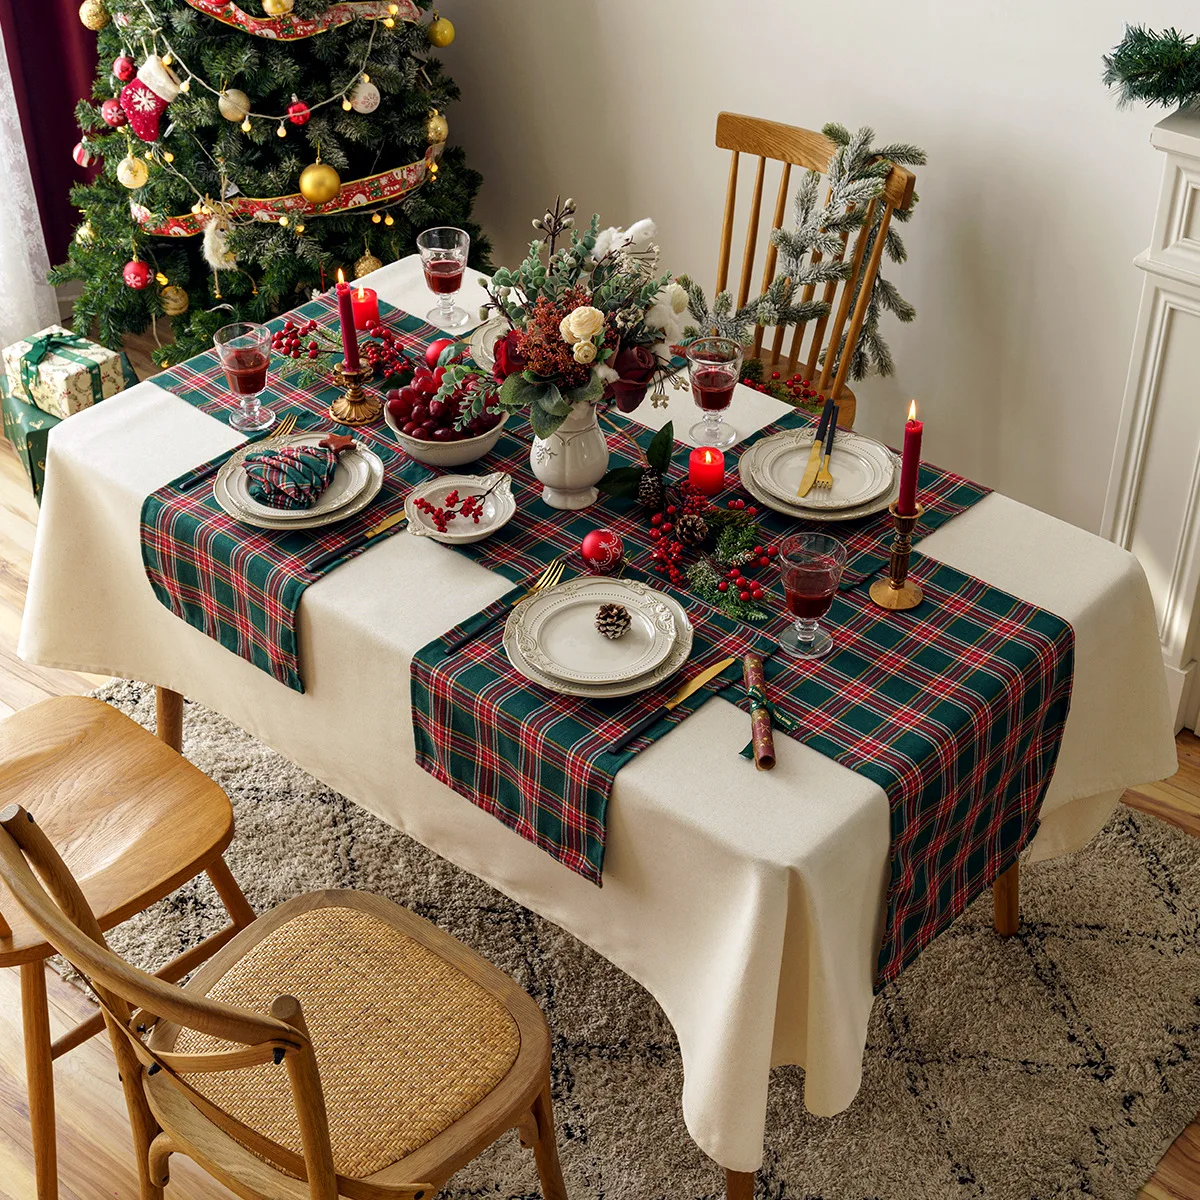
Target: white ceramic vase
(572,460)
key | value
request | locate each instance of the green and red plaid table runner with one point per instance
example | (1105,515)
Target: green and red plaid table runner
(956,709)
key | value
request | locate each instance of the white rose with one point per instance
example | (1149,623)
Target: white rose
(564,327)
(678,297)
(585,352)
(585,322)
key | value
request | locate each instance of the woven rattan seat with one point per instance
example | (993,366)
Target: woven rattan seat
(405,1042)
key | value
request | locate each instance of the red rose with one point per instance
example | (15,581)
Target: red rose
(509,355)
(635,365)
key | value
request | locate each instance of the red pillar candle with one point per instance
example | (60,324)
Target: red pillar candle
(910,465)
(706,470)
(346,316)
(365,302)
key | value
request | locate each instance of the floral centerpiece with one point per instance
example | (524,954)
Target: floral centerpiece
(589,322)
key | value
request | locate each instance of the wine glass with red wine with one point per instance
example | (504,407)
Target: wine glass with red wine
(444,257)
(811,566)
(244,349)
(714,368)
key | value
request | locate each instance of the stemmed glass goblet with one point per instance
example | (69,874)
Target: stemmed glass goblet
(244,349)
(714,368)
(444,256)
(811,566)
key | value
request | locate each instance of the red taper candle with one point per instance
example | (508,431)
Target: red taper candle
(910,465)
(346,316)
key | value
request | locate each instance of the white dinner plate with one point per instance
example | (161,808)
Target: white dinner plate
(750,483)
(862,469)
(556,630)
(224,497)
(498,508)
(351,476)
(680,650)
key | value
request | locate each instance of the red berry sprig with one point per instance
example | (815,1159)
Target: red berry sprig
(454,506)
(290,339)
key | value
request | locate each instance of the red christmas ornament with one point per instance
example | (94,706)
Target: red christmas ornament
(434,349)
(298,112)
(137,274)
(82,155)
(602,550)
(124,68)
(113,113)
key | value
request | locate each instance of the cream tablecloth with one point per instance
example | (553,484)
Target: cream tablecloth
(750,905)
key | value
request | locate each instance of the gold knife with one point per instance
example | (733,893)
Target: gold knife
(814,455)
(323,560)
(692,686)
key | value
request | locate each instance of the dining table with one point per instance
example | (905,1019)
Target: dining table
(750,904)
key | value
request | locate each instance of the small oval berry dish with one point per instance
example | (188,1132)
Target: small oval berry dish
(458,509)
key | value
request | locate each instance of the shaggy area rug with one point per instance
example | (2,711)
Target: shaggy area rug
(1059,1063)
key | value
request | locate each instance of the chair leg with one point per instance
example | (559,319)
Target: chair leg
(142,1123)
(231,895)
(545,1149)
(1006,901)
(168,711)
(739,1185)
(39,1077)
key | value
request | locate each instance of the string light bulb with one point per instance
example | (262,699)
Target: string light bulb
(168,59)
(186,85)
(283,221)
(299,228)
(346,103)
(246,125)
(389,220)
(281,131)
(365,77)
(389,23)
(375,218)
(168,156)
(160,279)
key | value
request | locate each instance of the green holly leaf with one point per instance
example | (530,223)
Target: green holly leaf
(621,482)
(658,453)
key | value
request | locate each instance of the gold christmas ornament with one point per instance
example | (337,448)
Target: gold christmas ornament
(132,172)
(85,233)
(278,8)
(366,264)
(233,104)
(441,31)
(437,128)
(94,15)
(319,183)
(174,300)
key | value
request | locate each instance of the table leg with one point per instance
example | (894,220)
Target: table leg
(168,706)
(1006,901)
(739,1185)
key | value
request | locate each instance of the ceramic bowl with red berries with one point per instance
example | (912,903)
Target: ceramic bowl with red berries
(432,430)
(457,509)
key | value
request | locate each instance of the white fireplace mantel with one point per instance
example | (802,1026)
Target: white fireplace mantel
(1153,503)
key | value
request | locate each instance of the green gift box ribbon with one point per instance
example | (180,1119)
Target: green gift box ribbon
(65,345)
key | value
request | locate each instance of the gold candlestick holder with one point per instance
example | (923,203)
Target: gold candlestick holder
(354,406)
(896,592)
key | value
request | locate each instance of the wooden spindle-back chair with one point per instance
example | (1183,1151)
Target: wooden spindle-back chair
(167,1089)
(791,146)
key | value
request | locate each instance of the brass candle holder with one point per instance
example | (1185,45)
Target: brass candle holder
(895,592)
(355,406)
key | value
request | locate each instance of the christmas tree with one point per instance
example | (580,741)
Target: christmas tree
(245,157)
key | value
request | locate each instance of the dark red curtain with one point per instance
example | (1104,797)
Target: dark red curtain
(52,58)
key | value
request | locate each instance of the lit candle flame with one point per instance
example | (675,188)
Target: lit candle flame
(341,275)
(362,295)
(912,411)
(709,456)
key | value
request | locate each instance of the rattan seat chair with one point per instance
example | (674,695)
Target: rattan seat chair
(341,1046)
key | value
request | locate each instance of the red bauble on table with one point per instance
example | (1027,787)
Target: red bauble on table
(434,350)
(298,112)
(602,550)
(124,68)
(137,274)
(113,113)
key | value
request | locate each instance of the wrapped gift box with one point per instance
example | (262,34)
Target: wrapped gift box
(28,428)
(61,372)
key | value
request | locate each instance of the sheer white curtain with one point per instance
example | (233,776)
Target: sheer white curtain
(27,301)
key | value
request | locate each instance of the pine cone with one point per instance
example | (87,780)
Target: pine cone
(613,620)
(691,529)
(651,494)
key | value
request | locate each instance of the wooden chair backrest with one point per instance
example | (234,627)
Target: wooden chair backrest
(791,146)
(133,1001)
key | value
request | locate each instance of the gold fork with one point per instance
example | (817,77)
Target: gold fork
(286,426)
(824,479)
(551,576)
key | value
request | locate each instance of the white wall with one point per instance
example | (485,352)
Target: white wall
(1037,195)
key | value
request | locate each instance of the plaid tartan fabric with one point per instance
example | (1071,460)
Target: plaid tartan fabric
(242,586)
(956,709)
(290,478)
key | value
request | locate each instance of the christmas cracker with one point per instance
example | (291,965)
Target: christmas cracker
(762,739)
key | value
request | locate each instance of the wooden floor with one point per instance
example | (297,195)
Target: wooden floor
(95,1156)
